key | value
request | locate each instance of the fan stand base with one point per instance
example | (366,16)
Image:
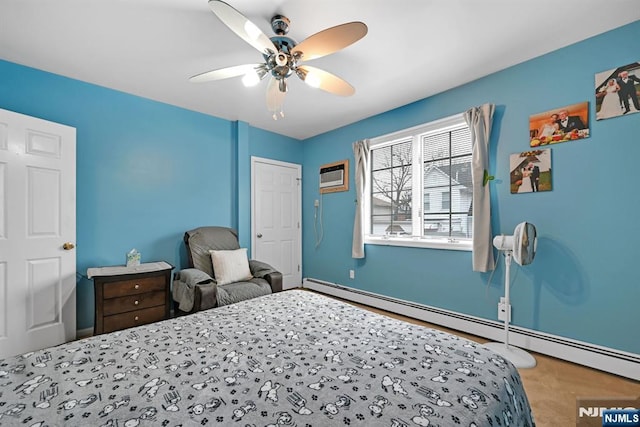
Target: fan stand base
(515,355)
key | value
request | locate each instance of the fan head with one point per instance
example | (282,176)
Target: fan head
(525,243)
(522,244)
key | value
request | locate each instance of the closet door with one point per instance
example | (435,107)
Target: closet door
(275,212)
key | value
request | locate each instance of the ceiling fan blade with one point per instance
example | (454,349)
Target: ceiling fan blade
(326,81)
(330,40)
(224,73)
(275,98)
(243,27)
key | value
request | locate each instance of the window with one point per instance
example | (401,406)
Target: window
(420,189)
(445,204)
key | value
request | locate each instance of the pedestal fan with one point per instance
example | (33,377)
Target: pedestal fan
(521,247)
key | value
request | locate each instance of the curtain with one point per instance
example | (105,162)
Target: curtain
(479,120)
(361,154)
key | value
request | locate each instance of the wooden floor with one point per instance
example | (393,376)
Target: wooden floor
(554,385)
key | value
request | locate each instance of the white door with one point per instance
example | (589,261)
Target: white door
(37,218)
(275,217)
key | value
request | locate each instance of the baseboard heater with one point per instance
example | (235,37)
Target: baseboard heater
(605,359)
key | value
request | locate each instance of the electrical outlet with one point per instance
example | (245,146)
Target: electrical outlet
(352,274)
(502,310)
(316,203)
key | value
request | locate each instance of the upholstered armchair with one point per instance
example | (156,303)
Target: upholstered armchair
(220,272)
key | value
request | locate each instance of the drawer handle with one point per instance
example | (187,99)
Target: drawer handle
(137,286)
(135,318)
(136,302)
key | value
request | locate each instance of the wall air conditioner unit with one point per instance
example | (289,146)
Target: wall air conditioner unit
(334,177)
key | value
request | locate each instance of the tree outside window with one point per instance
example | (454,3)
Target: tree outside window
(420,185)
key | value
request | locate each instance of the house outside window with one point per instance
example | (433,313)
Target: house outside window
(420,189)
(445,203)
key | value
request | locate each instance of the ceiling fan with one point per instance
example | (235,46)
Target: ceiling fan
(283,56)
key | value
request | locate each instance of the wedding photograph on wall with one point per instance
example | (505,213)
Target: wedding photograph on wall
(559,125)
(618,91)
(530,171)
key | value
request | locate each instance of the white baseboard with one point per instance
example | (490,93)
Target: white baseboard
(605,359)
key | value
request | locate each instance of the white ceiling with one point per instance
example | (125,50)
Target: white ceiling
(414,48)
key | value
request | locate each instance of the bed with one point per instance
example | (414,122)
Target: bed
(293,358)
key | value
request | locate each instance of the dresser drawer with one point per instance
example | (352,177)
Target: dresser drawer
(134,286)
(133,318)
(123,300)
(133,302)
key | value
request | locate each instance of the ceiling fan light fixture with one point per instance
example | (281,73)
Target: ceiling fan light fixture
(281,59)
(313,80)
(250,79)
(309,78)
(253,76)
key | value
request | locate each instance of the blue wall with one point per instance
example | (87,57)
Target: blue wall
(146,171)
(583,283)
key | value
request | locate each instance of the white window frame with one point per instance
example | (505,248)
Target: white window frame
(415,134)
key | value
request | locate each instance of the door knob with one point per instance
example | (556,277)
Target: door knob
(68,246)
(259,235)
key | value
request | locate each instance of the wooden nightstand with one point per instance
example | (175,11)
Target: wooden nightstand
(131,296)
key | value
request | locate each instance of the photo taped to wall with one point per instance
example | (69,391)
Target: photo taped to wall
(617,91)
(530,171)
(561,124)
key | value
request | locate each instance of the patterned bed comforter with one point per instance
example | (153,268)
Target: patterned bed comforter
(293,358)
